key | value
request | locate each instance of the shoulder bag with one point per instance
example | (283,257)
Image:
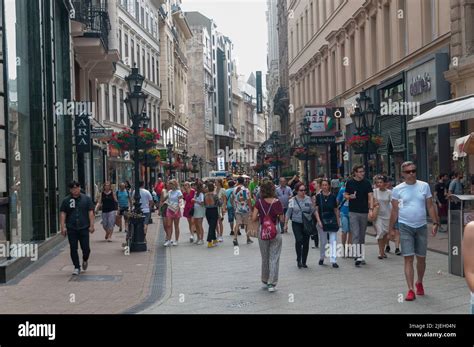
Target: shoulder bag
(308,226)
(328,219)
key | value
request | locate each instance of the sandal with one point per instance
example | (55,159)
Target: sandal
(380,257)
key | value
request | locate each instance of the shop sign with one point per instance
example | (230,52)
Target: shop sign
(421,83)
(82,132)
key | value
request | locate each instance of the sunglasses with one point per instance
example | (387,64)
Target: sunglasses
(301,190)
(410,171)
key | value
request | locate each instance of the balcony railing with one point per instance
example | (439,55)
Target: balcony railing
(180,55)
(96,20)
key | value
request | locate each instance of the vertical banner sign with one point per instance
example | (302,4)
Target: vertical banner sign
(82,132)
(259,92)
(220,164)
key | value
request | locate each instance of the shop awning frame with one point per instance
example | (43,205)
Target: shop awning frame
(446,112)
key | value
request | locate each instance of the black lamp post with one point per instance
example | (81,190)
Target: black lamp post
(201,162)
(135,103)
(364,119)
(145,122)
(194,163)
(305,138)
(276,151)
(185,163)
(169,147)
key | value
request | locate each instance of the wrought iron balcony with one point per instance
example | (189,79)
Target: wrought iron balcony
(95,19)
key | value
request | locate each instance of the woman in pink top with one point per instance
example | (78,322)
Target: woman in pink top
(188,194)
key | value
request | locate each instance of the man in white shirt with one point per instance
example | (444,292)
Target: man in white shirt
(146,201)
(410,200)
(284,194)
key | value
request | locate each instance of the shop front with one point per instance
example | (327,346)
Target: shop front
(393,112)
(430,147)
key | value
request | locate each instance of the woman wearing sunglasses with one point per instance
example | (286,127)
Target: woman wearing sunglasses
(299,204)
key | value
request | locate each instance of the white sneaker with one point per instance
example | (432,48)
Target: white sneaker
(76,272)
(200,242)
(271,288)
(196,241)
(191,239)
(167,243)
(174,243)
(221,239)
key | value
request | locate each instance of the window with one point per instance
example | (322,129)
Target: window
(126,46)
(143,61)
(114,103)
(157,71)
(297,38)
(132,43)
(307,26)
(148,67)
(138,58)
(153,69)
(122,108)
(120,42)
(147,20)
(137,10)
(143,16)
(312,19)
(107,102)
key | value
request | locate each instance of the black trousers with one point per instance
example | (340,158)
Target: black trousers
(82,237)
(212,215)
(301,242)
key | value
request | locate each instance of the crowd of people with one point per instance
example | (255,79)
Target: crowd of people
(322,211)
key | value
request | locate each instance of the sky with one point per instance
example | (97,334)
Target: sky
(244,22)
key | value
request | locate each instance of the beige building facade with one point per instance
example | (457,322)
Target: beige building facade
(338,48)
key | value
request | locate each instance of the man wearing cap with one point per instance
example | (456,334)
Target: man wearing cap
(77,221)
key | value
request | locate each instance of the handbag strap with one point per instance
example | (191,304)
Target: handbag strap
(260,202)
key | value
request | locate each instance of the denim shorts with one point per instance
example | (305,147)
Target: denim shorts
(345,223)
(413,241)
(147,217)
(230,215)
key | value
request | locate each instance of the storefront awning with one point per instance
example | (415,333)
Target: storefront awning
(462,147)
(446,112)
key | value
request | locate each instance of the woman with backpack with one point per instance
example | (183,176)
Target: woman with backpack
(299,204)
(327,215)
(211,201)
(269,211)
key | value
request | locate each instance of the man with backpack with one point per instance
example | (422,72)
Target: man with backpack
(242,205)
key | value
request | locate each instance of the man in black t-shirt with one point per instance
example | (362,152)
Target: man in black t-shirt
(441,193)
(360,195)
(77,221)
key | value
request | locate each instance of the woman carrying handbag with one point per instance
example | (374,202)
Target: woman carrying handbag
(327,215)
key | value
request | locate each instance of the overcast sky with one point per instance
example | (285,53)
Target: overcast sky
(244,22)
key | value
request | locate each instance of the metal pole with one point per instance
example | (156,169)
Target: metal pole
(138,241)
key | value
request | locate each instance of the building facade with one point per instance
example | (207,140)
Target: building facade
(273,72)
(331,59)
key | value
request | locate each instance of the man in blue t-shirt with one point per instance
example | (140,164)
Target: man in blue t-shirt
(124,203)
(230,208)
(343,203)
(410,200)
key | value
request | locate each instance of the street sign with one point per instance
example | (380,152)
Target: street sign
(323,140)
(101,133)
(220,164)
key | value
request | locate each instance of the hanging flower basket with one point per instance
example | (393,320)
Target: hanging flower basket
(125,140)
(150,158)
(359,143)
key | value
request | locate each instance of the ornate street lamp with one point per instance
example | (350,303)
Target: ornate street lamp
(194,162)
(185,163)
(364,119)
(305,138)
(169,148)
(135,103)
(201,163)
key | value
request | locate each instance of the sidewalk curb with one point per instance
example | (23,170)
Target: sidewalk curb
(158,282)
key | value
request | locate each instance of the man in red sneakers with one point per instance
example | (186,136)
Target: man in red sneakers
(410,200)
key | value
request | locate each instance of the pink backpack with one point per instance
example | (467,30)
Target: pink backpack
(269,230)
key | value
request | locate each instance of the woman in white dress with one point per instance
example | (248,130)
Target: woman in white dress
(382,198)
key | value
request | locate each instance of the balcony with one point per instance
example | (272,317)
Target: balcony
(175,34)
(180,55)
(90,28)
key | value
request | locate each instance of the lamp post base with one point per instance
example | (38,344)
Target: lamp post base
(137,226)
